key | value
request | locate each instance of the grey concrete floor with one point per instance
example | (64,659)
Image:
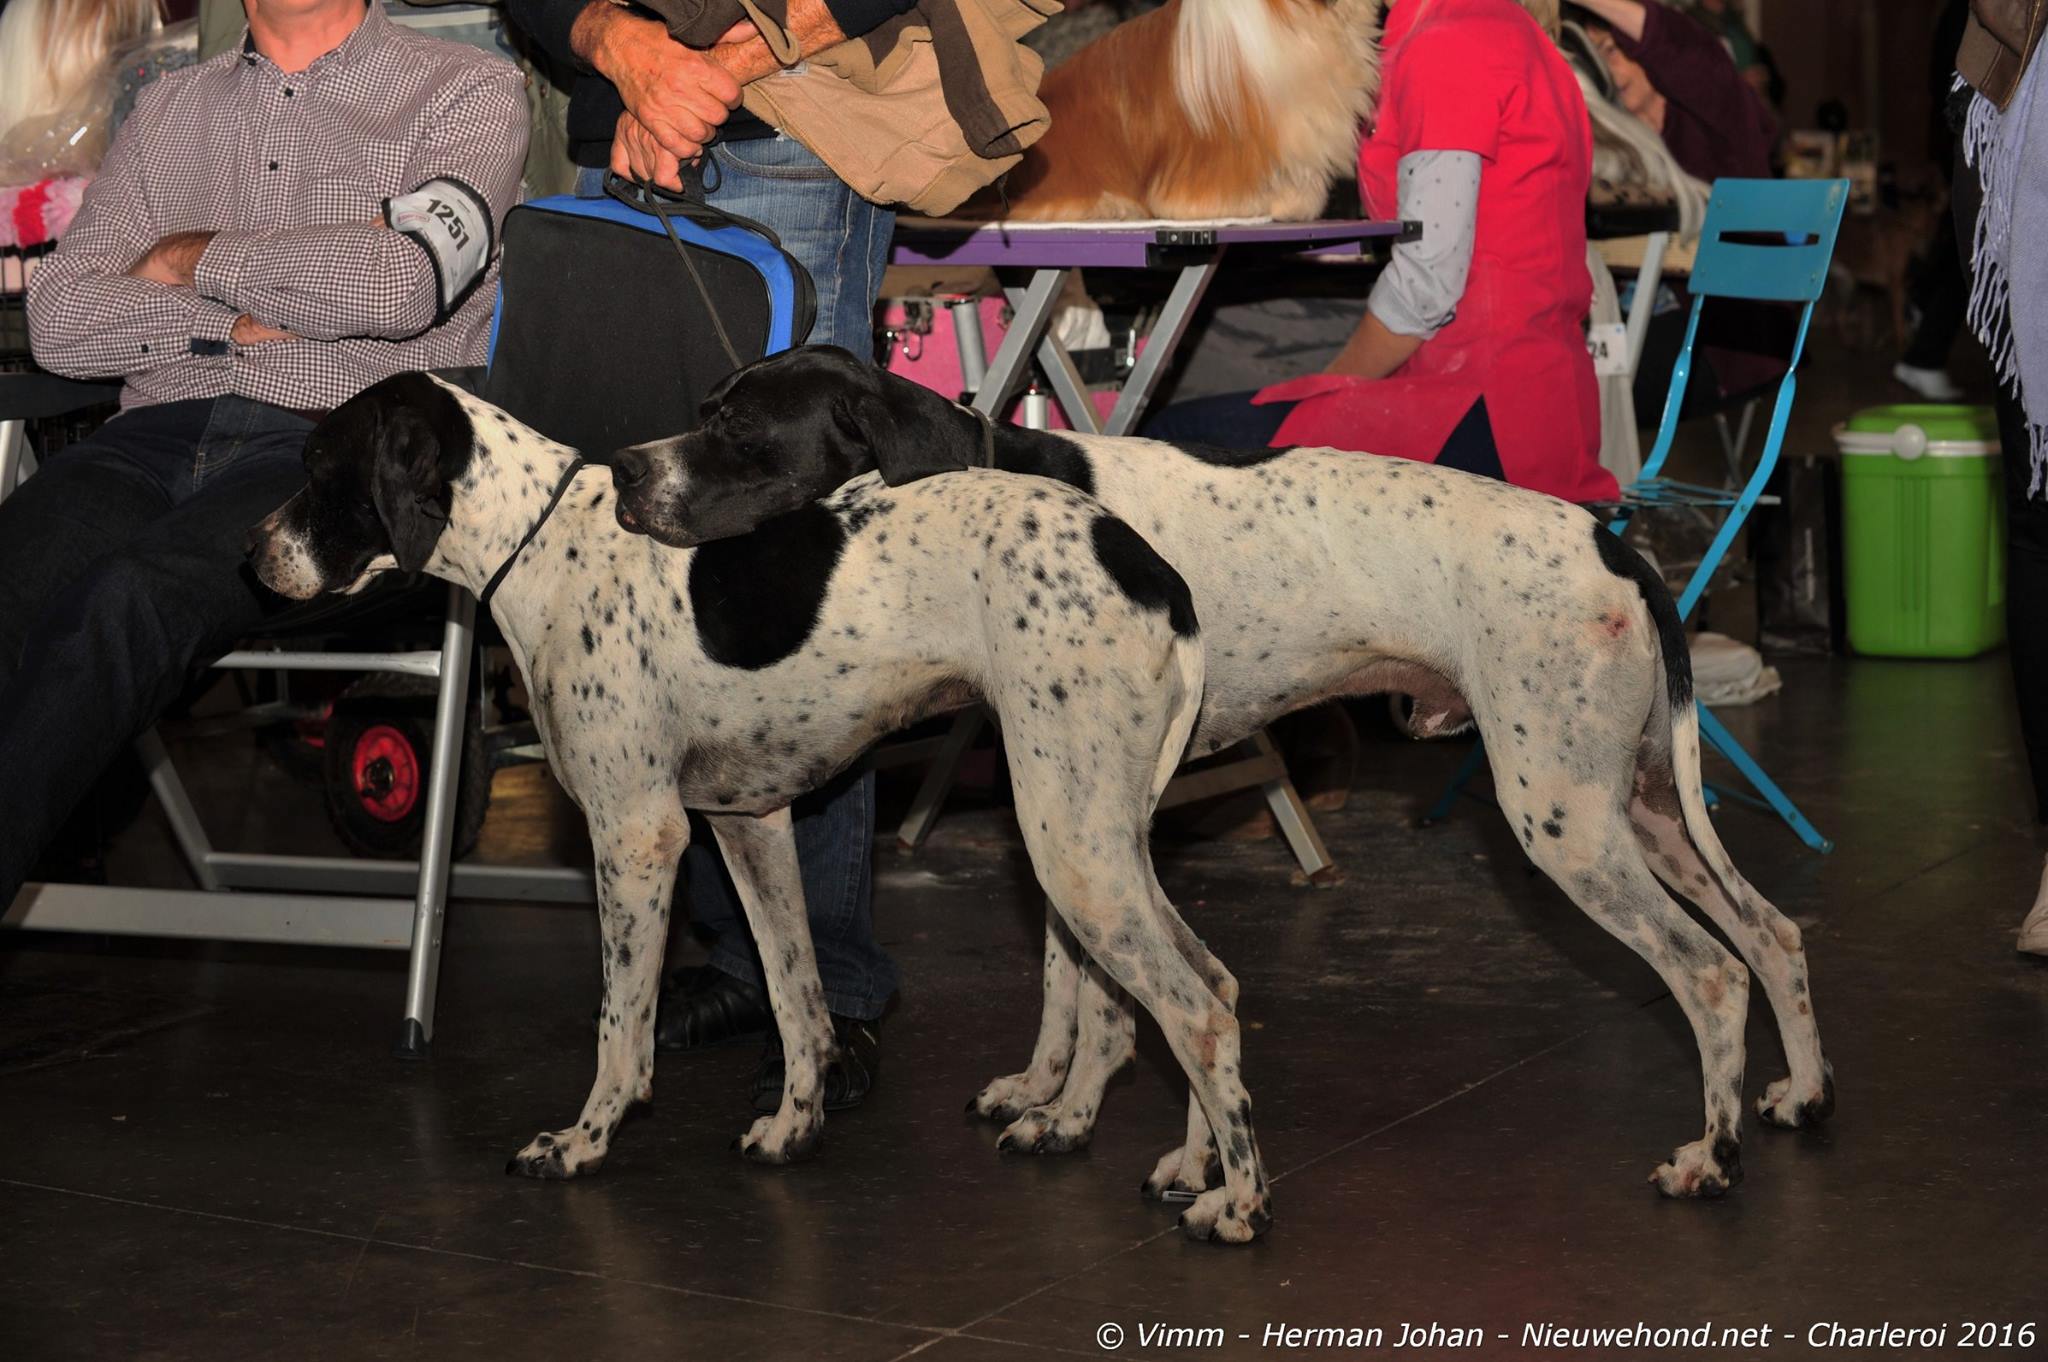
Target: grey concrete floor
(1461,1083)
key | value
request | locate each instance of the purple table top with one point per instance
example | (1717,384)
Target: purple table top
(1133,246)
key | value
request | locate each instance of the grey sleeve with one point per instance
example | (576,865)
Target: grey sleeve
(1417,294)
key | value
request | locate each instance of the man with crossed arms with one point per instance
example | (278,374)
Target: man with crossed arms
(273,230)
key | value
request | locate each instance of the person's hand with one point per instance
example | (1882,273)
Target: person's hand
(248,331)
(638,156)
(173,259)
(678,96)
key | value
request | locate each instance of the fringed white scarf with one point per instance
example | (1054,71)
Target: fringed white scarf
(2006,150)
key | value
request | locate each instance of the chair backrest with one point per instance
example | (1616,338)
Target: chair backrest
(1769,240)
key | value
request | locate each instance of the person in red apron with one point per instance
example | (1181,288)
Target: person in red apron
(1472,353)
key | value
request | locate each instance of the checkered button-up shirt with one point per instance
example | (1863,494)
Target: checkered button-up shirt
(290,170)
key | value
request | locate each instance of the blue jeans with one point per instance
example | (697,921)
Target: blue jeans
(121,571)
(842,240)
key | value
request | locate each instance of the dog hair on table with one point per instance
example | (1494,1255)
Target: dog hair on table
(732,678)
(1319,573)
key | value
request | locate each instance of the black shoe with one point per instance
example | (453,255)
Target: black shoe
(704,1006)
(847,1078)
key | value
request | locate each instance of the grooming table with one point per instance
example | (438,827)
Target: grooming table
(1194,252)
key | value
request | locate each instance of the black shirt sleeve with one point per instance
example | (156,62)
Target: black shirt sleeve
(856,17)
(548,23)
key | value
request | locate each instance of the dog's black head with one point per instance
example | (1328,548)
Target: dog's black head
(379,469)
(782,432)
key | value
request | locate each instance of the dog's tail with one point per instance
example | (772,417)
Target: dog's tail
(1227,55)
(1674,722)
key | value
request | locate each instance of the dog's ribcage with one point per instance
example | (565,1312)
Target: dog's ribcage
(1322,572)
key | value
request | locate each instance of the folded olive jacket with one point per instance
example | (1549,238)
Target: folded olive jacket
(1998,43)
(923,111)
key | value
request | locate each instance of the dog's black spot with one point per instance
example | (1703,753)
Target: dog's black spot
(1626,563)
(1231,458)
(572,555)
(756,596)
(1143,575)
(589,640)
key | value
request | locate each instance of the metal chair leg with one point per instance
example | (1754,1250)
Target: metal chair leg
(13,447)
(938,780)
(1724,743)
(1448,800)
(177,806)
(451,700)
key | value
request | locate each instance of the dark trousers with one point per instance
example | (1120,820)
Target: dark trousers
(1232,422)
(121,571)
(2026,528)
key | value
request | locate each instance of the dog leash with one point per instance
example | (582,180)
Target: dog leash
(483,598)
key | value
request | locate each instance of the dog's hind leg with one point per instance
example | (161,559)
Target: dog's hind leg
(761,855)
(637,843)
(1686,854)
(1582,840)
(1102,1034)
(1005,1099)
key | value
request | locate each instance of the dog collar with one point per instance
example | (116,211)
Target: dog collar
(483,598)
(988,437)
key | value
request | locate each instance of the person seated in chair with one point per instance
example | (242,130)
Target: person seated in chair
(272,231)
(1471,352)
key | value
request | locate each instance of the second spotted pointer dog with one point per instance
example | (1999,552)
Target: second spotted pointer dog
(731,679)
(1319,573)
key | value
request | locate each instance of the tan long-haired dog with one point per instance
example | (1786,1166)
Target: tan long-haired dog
(1205,109)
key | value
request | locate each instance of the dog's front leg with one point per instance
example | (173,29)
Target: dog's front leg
(761,855)
(1005,1099)
(638,845)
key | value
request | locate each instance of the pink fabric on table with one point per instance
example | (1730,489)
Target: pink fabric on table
(931,359)
(37,214)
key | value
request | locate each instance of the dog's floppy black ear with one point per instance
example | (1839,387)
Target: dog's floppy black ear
(907,431)
(718,391)
(411,499)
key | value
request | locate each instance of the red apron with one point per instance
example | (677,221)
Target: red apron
(1479,76)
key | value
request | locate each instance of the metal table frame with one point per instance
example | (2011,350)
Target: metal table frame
(1052,253)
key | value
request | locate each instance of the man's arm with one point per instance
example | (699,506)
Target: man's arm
(88,316)
(367,279)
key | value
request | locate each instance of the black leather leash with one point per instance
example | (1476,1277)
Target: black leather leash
(483,598)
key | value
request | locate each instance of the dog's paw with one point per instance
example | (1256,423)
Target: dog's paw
(1780,1106)
(1047,1130)
(556,1156)
(1006,1099)
(1189,1174)
(776,1140)
(1218,1219)
(1703,1169)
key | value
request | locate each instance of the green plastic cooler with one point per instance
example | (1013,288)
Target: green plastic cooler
(1923,531)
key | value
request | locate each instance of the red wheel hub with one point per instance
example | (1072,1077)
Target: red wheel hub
(386,771)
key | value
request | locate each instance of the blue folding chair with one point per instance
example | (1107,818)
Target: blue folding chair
(1765,241)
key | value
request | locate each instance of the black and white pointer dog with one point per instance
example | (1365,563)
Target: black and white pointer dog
(732,678)
(1318,573)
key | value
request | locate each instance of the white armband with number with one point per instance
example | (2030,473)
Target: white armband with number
(452,224)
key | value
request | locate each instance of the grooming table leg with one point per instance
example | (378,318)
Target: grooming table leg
(938,779)
(1160,343)
(1293,817)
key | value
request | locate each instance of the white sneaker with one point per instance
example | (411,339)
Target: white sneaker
(1933,384)
(2034,931)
